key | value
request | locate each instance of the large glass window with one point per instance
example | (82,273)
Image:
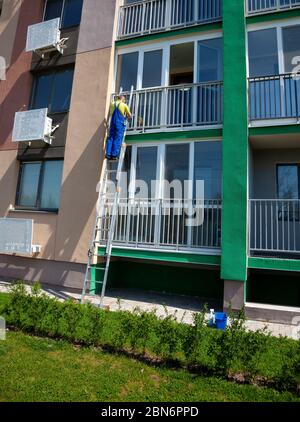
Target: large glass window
(29,183)
(53,91)
(68,10)
(291,46)
(127,71)
(208,167)
(263,53)
(40,185)
(152,68)
(210,60)
(288,181)
(51,183)
(176,165)
(146,166)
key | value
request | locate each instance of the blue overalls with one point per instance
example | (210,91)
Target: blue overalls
(116,133)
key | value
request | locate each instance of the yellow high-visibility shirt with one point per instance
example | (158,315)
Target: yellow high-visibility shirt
(123,108)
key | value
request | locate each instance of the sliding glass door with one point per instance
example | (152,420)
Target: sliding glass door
(163,196)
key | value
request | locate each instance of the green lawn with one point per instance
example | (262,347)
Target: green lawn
(34,369)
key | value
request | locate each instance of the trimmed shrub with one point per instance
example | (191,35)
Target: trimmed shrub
(255,355)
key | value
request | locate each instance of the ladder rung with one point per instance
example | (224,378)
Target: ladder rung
(94,281)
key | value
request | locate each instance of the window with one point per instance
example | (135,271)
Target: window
(288,191)
(53,91)
(177,163)
(152,68)
(39,185)
(68,10)
(208,167)
(291,46)
(263,53)
(146,166)
(210,55)
(267,57)
(127,71)
(288,181)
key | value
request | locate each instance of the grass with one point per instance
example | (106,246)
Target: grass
(39,369)
(3,299)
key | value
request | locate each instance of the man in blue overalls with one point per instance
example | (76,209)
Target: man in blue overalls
(119,112)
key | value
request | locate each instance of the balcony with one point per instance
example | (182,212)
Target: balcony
(177,107)
(255,7)
(151,16)
(162,224)
(274,98)
(274,228)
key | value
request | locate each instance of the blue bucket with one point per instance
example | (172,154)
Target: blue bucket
(221,320)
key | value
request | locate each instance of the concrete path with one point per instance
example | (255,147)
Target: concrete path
(182,306)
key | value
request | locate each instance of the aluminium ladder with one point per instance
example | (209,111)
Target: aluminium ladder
(101,217)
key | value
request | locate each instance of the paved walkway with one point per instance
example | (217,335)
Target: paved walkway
(182,306)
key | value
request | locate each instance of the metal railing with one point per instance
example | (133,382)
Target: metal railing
(274,97)
(274,226)
(148,16)
(180,106)
(163,223)
(264,6)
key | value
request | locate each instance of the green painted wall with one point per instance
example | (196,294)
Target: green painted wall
(175,136)
(267,17)
(274,130)
(274,289)
(274,264)
(235,143)
(166,256)
(162,278)
(172,33)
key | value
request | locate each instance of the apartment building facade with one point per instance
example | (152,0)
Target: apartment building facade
(216,98)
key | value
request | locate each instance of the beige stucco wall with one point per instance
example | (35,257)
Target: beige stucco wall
(86,131)
(83,156)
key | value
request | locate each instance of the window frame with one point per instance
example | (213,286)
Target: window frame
(279,26)
(165,46)
(37,207)
(160,166)
(61,16)
(52,72)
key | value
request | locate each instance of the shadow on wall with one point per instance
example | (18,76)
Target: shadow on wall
(11,104)
(12,21)
(8,183)
(14,95)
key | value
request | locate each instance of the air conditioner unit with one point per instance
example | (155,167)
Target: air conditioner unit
(33,125)
(44,37)
(16,236)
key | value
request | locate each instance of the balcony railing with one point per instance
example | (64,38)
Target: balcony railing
(274,226)
(266,6)
(149,16)
(274,97)
(181,106)
(163,224)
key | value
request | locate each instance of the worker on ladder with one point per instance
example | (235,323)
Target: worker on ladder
(119,112)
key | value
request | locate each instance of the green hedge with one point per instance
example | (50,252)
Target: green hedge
(252,356)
